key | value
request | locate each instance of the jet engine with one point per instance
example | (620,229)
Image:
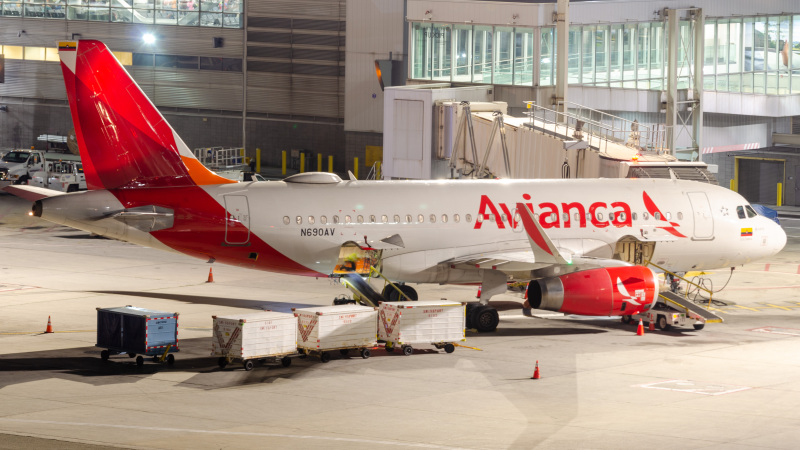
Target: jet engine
(606,291)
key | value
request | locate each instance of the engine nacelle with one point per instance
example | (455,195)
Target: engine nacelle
(607,291)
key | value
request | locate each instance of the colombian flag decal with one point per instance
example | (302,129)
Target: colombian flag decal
(747,231)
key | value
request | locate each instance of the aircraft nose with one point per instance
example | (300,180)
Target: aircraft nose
(779,237)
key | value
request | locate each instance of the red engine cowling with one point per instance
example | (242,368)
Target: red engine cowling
(612,291)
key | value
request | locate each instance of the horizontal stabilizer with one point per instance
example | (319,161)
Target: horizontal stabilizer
(32,193)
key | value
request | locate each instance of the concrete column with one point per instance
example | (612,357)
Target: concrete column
(562,57)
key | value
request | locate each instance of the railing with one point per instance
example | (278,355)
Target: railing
(218,158)
(685,292)
(598,125)
(374,171)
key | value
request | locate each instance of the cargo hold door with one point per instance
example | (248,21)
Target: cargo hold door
(237,220)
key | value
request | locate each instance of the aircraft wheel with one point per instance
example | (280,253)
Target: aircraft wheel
(286,361)
(485,318)
(409,292)
(470,323)
(449,348)
(699,326)
(661,323)
(139,361)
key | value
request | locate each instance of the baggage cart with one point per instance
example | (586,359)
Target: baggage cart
(256,337)
(137,331)
(439,323)
(325,329)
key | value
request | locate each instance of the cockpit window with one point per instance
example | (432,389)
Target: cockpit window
(750,211)
(740,212)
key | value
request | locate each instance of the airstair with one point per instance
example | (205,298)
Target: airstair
(692,310)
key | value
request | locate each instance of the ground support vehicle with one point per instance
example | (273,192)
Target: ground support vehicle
(325,329)
(18,166)
(671,310)
(137,332)
(257,337)
(404,324)
(64,176)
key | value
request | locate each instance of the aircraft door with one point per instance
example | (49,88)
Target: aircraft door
(237,220)
(701,216)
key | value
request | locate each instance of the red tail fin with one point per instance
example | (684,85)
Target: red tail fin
(124,141)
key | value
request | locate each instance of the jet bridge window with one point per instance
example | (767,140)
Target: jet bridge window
(750,211)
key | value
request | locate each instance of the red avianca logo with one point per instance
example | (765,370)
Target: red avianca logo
(564,215)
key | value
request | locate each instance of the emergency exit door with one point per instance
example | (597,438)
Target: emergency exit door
(237,220)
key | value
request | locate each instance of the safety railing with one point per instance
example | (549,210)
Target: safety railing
(691,283)
(220,157)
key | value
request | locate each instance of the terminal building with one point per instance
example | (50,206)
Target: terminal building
(720,80)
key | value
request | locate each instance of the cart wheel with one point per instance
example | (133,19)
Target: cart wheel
(662,324)
(131,355)
(139,361)
(325,357)
(407,350)
(222,362)
(699,326)
(449,348)
(170,359)
(286,361)
(104,355)
(389,347)
(155,358)
(248,365)
(344,351)
(365,353)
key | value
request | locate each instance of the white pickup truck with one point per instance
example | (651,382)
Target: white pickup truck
(18,166)
(64,176)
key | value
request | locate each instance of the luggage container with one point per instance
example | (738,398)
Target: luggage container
(428,322)
(137,331)
(254,337)
(341,327)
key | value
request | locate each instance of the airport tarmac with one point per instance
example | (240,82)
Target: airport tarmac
(731,385)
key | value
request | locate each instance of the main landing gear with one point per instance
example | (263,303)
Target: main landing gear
(483,318)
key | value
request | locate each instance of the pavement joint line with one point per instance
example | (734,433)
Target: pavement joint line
(232,433)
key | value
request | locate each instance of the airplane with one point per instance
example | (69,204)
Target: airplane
(582,245)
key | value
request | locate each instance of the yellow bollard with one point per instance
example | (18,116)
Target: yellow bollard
(283,162)
(302,162)
(733,185)
(780,194)
(378,170)
(355,167)
(330,163)
(258,160)
(319,162)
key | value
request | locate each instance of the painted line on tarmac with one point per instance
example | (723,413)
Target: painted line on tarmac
(228,433)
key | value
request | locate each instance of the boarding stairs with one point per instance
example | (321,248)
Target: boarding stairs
(692,310)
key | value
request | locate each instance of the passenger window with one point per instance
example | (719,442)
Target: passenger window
(444,218)
(478,218)
(469,218)
(668,215)
(421,218)
(505,218)
(740,212)
(433,218)
(286,220)
(456,218)
(299,220)
(610,216)
(645,216)
(384,218)
(565,217)
(621,217)
(657,215)
(372,219)
(588,217)
(680,215)
(347,219)
(750,211)
(408,218)
(323,220)
(517,218)
(335,219)
(599,216)
(577,217)
(360,219)
(633,216)
(396,218)
(311,220)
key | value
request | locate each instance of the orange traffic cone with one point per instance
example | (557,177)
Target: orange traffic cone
(210,275)
(536,375)
(652,326)
(49,328)
(640,329)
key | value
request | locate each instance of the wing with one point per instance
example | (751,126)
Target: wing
(31,193)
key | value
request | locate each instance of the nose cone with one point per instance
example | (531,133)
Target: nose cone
(777,238)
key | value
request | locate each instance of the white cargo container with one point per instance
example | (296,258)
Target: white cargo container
(257,336)
(430,322)
(339,327)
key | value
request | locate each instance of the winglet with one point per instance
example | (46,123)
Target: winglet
(541,245)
